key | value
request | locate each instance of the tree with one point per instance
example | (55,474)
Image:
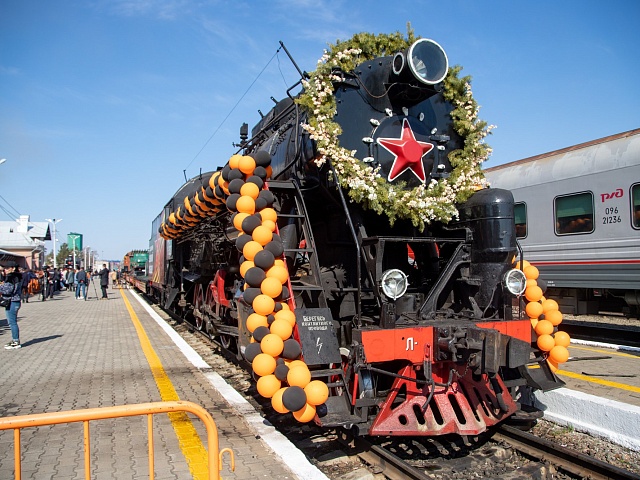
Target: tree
(62,255)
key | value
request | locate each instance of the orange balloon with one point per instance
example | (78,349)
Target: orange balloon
(276,401)
(562,338)
(256,320)
(282,328)
(250,249)
(263,364)
(246,204)
(271,286)
(263,304)
(531,283)
(522,265)
(233,160)
(545,343)
(262,235)
(213,181)
(295,363)
(280,262)
(559,354)
(533,309)
(237,220)
(534,322)
(285,305)
(269,171)
(299,376)
(531,272)
(247,165)
(250,189)
(552,365)
(287,315)
(544,327)
(272,345)
(554,316)
(269,224)
(533,294)
(317,392)
(305,414)
(268,214)
(279,272)
(246,265)
(550,304)
(268,385)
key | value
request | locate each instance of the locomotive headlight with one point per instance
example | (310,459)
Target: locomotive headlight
(425,59)
(394,283)
(515,281)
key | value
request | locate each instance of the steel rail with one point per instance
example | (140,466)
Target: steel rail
(566,459)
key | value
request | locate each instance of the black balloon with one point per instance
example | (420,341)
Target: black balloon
(262,158)
(268,196)
(250,223)
(232,200)
(275,247)
(241,241)
(264,259)
(235,185)
(260,332)
(542,284)
(261,204)
(291,349)
(252,350)
(257,180)
(225,172)
(254,276)
(294,398)
(260,172)
(235,174)
(250,295)
(281,370)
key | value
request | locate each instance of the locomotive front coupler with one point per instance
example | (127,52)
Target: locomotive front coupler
(481,349)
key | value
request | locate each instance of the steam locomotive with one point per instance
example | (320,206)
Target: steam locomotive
(400,324)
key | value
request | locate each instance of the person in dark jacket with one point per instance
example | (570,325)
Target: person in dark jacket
(12,288)
(81,280)
(104,280)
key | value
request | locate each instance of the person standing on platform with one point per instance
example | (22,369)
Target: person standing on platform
(104,281)
(12,288)
(81,281)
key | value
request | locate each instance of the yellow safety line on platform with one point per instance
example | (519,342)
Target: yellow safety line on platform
(599,381)
(189,440)
(608,351)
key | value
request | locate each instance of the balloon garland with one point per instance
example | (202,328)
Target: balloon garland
(241,188)
(545,317)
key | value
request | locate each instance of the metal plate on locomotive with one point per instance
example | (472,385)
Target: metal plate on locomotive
(318,336)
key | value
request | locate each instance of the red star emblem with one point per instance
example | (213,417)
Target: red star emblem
(408,153)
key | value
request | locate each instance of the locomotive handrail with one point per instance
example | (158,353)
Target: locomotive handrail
(103,413)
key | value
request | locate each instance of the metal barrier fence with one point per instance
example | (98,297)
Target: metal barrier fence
(86,415)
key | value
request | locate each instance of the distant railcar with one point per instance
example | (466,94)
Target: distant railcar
(578,220)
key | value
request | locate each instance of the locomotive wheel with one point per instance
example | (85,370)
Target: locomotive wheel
(227,342)
(198,300)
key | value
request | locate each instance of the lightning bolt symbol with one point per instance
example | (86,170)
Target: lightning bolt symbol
(319,345)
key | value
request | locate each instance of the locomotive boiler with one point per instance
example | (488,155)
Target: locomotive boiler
(362,195)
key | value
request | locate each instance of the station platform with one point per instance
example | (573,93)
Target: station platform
(79,354)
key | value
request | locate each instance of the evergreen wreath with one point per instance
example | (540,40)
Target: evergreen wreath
(435,201)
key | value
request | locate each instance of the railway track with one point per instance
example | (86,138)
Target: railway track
(497,454)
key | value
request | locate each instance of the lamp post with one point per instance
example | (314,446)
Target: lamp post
(54,221)
(73,238)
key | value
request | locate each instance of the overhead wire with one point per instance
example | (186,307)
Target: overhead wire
(233,108)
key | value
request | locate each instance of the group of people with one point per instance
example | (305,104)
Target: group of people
(16,285)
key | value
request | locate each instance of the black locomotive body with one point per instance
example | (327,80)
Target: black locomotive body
(408,324)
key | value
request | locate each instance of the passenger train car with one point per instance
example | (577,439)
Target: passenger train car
(350,252)
(577,216)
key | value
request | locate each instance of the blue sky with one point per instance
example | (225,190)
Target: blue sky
(104,103)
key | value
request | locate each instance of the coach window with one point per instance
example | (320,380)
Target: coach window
(635,205)
(574,213)
(520,211)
